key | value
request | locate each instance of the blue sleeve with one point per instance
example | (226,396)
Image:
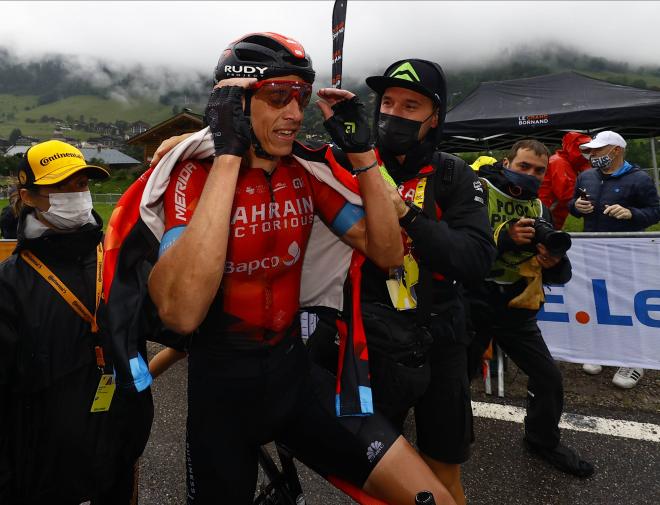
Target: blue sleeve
(169,237)
(346,218)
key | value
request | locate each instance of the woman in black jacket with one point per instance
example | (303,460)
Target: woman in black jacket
(55,386)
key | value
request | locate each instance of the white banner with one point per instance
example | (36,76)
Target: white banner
(609,313)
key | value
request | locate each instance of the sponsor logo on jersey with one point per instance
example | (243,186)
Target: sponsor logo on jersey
(272,216)
(294,253)
(180,191)
(407,194)
(298,183)
(252,266)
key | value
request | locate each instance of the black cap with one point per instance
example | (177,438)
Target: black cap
(421,76)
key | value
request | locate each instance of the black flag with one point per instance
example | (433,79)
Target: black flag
(338,22)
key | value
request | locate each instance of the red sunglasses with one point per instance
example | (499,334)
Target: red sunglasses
(279,94)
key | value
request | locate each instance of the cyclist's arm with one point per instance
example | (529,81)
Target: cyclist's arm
(164,360)
(374,231)
(378,236)
(187,276)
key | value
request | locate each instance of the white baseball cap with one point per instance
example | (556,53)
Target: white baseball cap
(606,138)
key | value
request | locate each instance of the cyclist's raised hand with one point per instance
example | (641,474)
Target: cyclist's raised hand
(345,120)
(226,117)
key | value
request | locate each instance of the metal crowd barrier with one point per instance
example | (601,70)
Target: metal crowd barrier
(108,198)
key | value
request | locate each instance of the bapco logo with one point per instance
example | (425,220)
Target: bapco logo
(374,449)
(294,253)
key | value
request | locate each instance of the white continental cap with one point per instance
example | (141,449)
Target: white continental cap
(606,138)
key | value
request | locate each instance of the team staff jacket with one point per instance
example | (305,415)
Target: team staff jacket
(457,246)
(559,274)
(629,187)
(271,220)
(46,349)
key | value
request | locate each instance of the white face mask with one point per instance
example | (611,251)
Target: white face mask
(69,211)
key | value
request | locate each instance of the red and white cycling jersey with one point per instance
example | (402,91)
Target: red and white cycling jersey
(271,220)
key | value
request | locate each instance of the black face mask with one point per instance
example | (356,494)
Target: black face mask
(522,186)
(396,134)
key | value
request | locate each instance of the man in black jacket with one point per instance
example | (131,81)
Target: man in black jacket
(447,241)
(505,305)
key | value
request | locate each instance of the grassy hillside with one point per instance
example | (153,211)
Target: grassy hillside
(629,78)
(21,108)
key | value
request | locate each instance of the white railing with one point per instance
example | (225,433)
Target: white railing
(109,198)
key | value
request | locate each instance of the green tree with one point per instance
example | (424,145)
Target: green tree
(13,136)
(9,165)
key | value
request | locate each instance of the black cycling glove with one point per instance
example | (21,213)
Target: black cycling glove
(227,121)
(349,127)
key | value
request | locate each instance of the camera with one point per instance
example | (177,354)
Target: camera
(556,241)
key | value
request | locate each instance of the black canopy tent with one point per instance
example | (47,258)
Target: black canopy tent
(499,113)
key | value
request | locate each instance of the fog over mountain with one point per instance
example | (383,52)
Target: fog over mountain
(188,36)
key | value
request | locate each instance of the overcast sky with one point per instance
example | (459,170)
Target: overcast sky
(192,34)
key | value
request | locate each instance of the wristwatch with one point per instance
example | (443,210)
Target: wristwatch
(411,215)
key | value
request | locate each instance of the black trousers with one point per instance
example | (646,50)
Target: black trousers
(517,333)
(62,454)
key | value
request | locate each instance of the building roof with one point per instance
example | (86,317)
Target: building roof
(106,155)
(14,150)
(109,156)
(184,121)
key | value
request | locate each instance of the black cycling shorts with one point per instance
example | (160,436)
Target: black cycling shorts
(439,391)
(239,401)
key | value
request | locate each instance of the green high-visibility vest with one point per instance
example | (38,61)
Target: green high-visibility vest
(502,209)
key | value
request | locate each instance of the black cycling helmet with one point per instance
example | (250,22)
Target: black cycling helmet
(264,55)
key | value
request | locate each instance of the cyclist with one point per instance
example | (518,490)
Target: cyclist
(457,247)
(229,270)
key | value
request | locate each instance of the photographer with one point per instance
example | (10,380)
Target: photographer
(504,306)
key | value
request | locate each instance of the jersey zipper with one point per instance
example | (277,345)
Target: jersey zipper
(268,287)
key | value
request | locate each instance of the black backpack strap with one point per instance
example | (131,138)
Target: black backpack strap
(441,179)
(424,289)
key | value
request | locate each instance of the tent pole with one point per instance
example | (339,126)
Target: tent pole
(655,162)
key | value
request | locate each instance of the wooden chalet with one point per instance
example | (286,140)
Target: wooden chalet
(184,122)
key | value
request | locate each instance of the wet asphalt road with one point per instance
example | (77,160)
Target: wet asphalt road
(499,471)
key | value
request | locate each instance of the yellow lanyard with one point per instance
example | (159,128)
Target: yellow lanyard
(73,301)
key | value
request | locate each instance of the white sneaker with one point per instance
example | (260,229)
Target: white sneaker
(627,378)
(592,369)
